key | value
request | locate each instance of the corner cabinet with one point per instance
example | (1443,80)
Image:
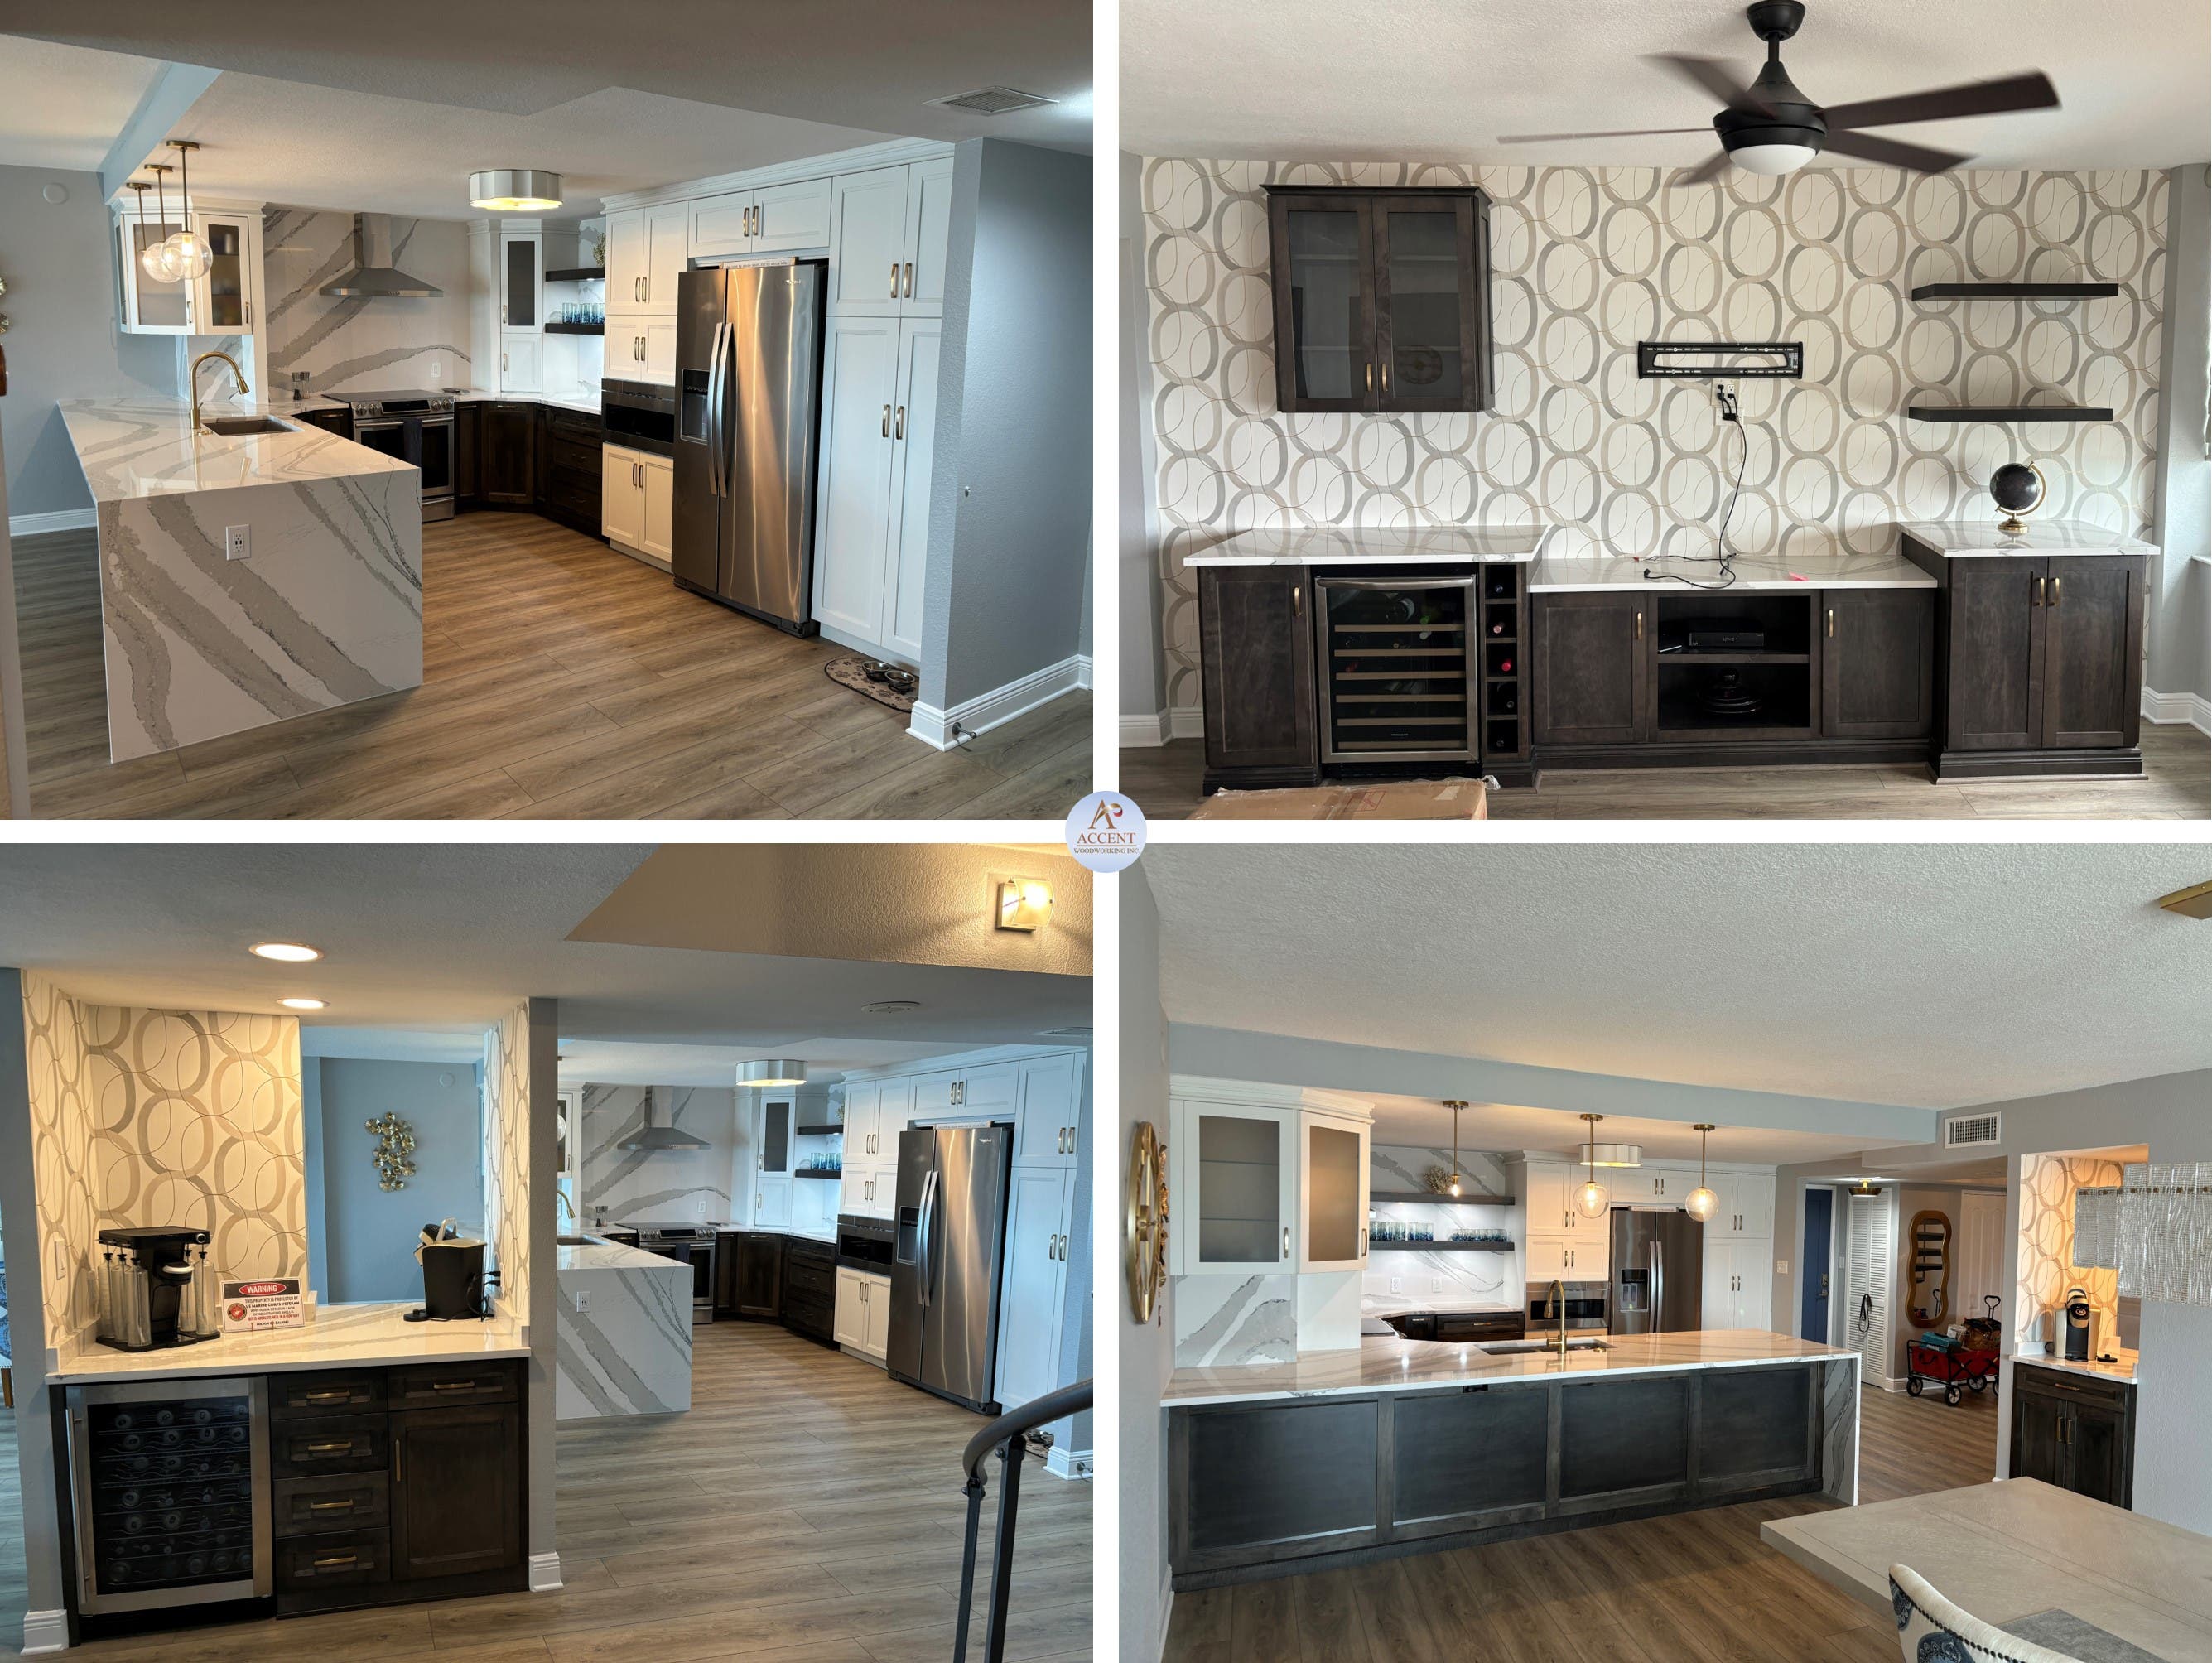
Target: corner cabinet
(1381,297)
(1267,1181)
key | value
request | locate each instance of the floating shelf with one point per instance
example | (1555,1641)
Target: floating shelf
(577,274)
(2009,412)
(832,1130)
(814,1172)
(1440,1200)
(2014,291)
(576,329)
(1440,1246)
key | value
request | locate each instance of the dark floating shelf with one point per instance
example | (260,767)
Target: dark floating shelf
(1441,1200)
(831,1131)
(814,1172)
(577,274)
(2009,412)
(2014,291)
(576,329)
(1440,1246)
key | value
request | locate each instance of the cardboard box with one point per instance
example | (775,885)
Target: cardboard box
(1382,799)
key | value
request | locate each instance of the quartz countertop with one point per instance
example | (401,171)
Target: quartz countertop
(597,1255)
(1380,546)
(1400,1365)
(1957,539)
(2124,1369)
(336,1336)
(132,449)
(1582,573)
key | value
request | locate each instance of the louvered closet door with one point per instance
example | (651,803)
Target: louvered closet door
(1869,1269)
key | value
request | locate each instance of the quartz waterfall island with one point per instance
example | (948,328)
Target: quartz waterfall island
(324,609)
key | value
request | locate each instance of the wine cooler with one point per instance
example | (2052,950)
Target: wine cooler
(1400,669)
(170,1493)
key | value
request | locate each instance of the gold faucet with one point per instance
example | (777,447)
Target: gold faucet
(1558,1301)
(561,1196)
(199,422)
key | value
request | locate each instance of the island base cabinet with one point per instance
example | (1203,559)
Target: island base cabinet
(1467,1460)
(1268,1482)
(1623,1443)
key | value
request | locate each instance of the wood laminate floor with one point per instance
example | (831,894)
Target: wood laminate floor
(807,1510)
(561,680)
(1696,1588)
(1163,781)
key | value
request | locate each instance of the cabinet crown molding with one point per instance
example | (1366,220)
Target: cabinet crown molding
(997,1054)
(1251,1094)
(857,160)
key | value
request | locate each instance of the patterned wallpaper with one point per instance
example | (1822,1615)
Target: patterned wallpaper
(361,344)
(631,1184)
(1585,263)
(61,1147)
(2047,1183)
(507,1154)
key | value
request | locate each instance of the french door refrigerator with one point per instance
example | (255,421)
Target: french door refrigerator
(748,436)
(950,1241)
(1658,1273)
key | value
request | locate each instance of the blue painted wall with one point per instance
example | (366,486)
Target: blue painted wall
(361,1239)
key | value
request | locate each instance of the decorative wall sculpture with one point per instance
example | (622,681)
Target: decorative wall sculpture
(393,1157)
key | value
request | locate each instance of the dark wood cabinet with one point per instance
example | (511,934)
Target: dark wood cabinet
(1877,663)
(1382,297)
(810,1289)
(1994,675)
(336,419)
(456,1491)
(468,426)
(507,455)
(2075,1431)
(568,469)
(749,1275)
(1257,656)
(2092,628)
(1593,666)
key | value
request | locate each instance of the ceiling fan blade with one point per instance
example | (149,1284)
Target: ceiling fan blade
(1708,169)
(1918,157)
(2032,91)
(1618,132)
(1712,76)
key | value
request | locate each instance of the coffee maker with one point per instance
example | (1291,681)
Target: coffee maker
(2076,1345)
(452,1276)
(156,1288)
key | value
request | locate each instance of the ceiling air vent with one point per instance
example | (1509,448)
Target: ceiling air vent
(1972,1130)
(995,101)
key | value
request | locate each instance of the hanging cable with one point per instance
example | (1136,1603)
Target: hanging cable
(1722,555)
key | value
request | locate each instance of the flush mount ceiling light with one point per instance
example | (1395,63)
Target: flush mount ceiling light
(1457,1106)
(1025,903)
(301,1004)
(1702,1203)
(771,1072)
(285,952)
(514,190)
(2195,901)
(1591,1201)
(1616,1154)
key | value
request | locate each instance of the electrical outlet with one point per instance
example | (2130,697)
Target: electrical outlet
(1436,1284)
(1397,1284)
(583,1301)
(437,371)
(237,542)
(703,1207)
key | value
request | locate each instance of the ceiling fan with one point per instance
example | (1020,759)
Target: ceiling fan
(1770,127)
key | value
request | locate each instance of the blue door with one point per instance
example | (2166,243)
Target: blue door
(1819,1253)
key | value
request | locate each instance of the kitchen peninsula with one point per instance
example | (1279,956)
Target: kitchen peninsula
(625,1332)
(247,576)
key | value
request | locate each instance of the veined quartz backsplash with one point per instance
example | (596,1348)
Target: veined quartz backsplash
(664,1184)
(1445,1279)
(1222,1320)
(363,344)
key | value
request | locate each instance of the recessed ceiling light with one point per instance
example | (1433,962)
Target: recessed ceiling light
(891,1007)
(301,1004)
(285,952)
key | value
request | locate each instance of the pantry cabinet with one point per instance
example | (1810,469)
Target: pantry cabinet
(1039,1216)
(879,433)
(1738,1284)
(889,230)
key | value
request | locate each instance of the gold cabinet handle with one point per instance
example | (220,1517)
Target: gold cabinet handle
(1298,602)
(1370,380)
(909,280)
(895,279)
(1386,378)
(330,1507)
(899,424)
(887,421)
(2054,591)
(1640,623)
(340,1395)
(343,1445)
(453,1386)
(337,1561)
(1832,623)
(2038,601)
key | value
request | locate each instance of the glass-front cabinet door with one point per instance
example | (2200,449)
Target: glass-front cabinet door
(1323,252)
(225,294)
(519,281)
(149,306)
(1333,1190)
(1427,327)
(1237,1167)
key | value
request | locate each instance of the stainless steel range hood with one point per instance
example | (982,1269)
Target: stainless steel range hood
(374,277)
(650,1138)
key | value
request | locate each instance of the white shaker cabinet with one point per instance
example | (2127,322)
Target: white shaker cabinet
(226,298)
(868,247)
(637,501)
(862,1319)
(928,234)
(1333,1194)
(879,434)
(914,437)
(1049,1124)
(626,264)
(1738,1284)
(648,250)
(1039,1217)
(790,218)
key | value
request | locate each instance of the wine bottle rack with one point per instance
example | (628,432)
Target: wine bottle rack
(1505,679)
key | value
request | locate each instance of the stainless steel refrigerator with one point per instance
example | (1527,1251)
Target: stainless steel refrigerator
(1658,1273)
(748,436)
(950,1242)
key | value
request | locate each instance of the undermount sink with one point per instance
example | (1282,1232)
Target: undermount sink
(1519,1347)
(229,427)
(577,1240)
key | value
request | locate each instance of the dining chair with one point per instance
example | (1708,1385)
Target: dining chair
(1931,1629)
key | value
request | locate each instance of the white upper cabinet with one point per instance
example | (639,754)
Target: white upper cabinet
(226,300)
(928,229)
(1237,1181)
(149,307)
(794,218)
(720,226)
(1333,1193)
(667,256)
(626,260)
(868,249)
(861,1097)
(1050,1113)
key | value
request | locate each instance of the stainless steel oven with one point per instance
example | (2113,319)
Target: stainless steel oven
(414,427)
(689,1245)
(1398,669)
(169,1492)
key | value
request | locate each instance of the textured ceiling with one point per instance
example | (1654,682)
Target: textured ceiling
(1427,1123)
(1440,79)
(61,108)
(445,939)
(1924,975)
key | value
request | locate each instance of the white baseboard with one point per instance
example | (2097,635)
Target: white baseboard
(545,1572)
(934,727)
(2191,707)
(1140,732)
(68,520)
(1167,1609)
(45,1630)
(1186,722)
(1067,1463)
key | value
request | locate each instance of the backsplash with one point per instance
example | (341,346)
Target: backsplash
(361,343)
(1586,262)
(669,1184)
(1222,1320)
(59,1061)
(1442,1280)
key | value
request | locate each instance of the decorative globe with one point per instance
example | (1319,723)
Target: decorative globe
(2015,488)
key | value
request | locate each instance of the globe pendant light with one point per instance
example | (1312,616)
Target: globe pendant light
(1702,1203)
(1456,1106)
(188,250)
(1591,1201)
(157,260)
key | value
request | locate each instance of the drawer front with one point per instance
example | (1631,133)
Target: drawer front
(333,1443)
(573,424)
(297,1396)
(563,452)
(345,1501)
(815,1318)
(802,1279)
(324,1561)
(435,1387)
(2074,1388)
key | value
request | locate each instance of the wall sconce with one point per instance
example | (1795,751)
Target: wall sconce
(393,1157)
(1025,903)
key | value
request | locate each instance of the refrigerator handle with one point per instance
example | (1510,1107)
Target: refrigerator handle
(714,446)
(926,1232)
(1658,1287)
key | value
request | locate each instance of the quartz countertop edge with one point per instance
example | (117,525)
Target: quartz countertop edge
(339,1337)
(1377,545)
(614,1256)
(2124,1370)
(1585,573)
(1412,1365)
(1960,539)
(134,450)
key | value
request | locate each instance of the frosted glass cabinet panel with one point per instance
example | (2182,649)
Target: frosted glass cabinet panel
(1240,1169)
(1334,1194)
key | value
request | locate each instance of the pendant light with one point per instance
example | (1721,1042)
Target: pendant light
(188,250)
(1702,1203)
(1591,1201)
(1456,1106)
(155,259)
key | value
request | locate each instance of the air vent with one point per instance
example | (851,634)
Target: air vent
(995,101)
(1972,1130)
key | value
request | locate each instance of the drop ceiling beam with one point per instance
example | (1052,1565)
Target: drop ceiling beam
(166,102)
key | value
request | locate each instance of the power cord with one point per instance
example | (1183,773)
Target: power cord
(1722,552)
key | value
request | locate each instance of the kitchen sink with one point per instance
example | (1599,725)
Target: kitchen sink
(230,426)
(579,1241)
(1520,1347)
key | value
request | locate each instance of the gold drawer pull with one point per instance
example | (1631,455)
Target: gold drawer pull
(345,1446)
(337,1562)
(341,1395)
(332,1506)
(454,1385)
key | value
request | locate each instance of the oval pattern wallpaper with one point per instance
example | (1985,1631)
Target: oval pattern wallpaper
(1586,263)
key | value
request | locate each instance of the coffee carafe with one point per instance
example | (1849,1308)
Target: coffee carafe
(154,1279)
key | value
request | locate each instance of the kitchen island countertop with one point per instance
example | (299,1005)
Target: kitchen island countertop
(132,449)
(337,1337)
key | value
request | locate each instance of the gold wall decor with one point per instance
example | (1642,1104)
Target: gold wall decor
(1145,1221)
(393,1156)
(1930,1240)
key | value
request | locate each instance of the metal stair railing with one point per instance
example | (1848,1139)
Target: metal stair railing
(1009,1435)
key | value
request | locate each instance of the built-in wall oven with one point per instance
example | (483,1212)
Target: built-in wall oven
(1400,669)
(1582,1309)
(413,426)
(692,1244)
(169,1492)
(639,415)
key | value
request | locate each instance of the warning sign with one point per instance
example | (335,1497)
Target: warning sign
(271,1302)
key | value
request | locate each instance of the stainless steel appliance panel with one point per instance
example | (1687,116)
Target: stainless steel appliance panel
(950,1241)
(1658,1273)
(695,522)
(769,403)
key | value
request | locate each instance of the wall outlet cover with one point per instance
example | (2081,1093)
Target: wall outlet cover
(237,542)
(1397,1284)
(583,1301)
(1436,1284)
(437,370)
(1782,1267)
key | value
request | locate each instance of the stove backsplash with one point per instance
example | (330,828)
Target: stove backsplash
(665,1185)
(361,344)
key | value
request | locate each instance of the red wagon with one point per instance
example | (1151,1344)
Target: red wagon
(1940,1358)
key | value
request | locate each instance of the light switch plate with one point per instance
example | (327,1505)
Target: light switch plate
(1436,1284)
(437,371)
(1782,1267)
(237,542)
